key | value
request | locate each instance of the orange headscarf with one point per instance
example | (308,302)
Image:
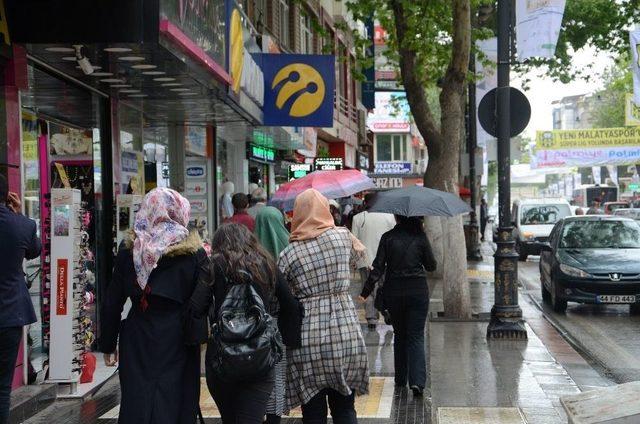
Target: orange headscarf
(311,216)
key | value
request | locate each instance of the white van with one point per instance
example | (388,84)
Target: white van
(533,220)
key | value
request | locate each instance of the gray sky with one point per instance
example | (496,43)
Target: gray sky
(543,91)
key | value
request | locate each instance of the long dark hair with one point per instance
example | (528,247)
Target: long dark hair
(413,223)
(236,249)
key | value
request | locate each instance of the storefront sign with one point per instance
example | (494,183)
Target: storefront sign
(299,170)
(165,170)
(260,153)
(196,188)
(631,112)
(298,90)
(247,86)
(195,140)
(198,205)
(202,21)
(261,138)
(328,164)
(61,284)
(393,168)
(592,147)
(362,161)
(196,171)
(387,182)
(391,114)
(129,162)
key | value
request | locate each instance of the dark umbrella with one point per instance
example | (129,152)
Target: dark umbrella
(419,201)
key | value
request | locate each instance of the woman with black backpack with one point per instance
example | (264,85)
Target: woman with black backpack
(245,342)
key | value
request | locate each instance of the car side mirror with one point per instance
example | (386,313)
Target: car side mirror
(545,247)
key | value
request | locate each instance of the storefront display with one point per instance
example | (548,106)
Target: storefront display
(71,330)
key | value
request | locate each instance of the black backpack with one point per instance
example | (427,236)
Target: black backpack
(245,341)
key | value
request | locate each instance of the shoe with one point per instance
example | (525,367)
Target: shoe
(371,326)
(417,390)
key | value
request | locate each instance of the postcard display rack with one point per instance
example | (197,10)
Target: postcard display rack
(70,328)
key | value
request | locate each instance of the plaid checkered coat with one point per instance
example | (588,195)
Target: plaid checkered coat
(333,353)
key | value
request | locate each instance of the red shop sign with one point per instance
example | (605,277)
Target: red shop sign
(61,283)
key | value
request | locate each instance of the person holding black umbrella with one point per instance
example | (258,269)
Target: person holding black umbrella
(404,257)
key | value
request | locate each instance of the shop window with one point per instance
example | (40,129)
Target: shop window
(391,148)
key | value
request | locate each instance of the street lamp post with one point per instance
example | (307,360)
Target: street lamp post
(506,315)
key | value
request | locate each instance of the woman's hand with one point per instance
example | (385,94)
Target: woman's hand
(14,203)
(111,359)
(361,299)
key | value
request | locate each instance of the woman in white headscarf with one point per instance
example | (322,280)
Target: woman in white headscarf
(157,267)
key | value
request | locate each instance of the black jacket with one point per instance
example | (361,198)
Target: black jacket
(18,240)
(288,309)
(403,259)
(159,374)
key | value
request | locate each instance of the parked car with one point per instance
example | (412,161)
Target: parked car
(533,220)
(633,213)
(611,207)
(592,259)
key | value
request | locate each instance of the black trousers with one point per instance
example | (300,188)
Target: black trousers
(342,408)
(408,317)
(241,403)
(9,344)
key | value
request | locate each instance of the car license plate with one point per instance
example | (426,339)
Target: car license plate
(609,298)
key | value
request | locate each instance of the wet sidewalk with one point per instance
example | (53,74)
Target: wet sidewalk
(475,380)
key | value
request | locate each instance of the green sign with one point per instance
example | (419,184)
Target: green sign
(299,170)
(261,154)
(259,137)
(633,187)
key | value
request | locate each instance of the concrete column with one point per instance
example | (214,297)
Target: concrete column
(239,166)
(176,157)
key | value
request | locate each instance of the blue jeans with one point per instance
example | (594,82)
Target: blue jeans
(408,317)
(9,343)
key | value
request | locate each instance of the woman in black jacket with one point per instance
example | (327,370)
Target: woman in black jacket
(239,258)
(157,268)
(404,257)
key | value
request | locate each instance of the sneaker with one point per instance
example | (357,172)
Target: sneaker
(417,390)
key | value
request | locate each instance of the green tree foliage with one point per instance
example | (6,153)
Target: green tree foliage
(608,110)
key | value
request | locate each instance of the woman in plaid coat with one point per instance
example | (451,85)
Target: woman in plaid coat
(332,361)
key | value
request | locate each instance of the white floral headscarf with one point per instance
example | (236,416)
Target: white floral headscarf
(161,222)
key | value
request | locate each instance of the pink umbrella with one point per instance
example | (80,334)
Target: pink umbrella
(332,184)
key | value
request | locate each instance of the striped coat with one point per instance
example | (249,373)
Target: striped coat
(333,353)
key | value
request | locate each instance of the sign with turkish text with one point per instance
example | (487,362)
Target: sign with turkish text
(196,188)
(329,164)
(261,153)
(299,170)
(392,168)
(591,147)
(62,287)
(298,89)
(391,114)
(387,182)
(195,140)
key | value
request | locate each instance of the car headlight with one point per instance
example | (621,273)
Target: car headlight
(528,235)
(574,272)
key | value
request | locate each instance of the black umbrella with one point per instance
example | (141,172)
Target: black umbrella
(419,201)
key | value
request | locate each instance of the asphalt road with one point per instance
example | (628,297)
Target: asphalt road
(609,335)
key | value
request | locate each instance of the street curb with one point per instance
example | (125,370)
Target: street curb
(596,364)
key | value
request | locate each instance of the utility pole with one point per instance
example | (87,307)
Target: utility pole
(506,315)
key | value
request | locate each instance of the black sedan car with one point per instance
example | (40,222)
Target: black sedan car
(592,259)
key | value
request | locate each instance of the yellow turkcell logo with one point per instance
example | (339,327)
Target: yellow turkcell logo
(300,89)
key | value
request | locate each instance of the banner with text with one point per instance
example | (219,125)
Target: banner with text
(634,38)
(538,24)
(601,146)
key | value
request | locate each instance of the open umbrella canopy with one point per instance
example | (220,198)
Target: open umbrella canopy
(332,184)
(419,201)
